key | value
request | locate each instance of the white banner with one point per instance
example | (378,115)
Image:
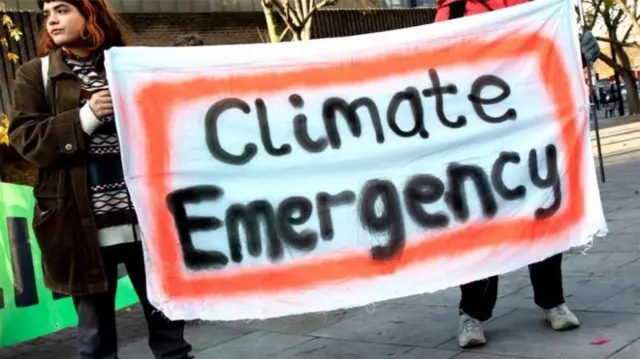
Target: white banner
(279,179)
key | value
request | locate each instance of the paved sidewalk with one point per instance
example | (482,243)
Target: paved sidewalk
(603,288)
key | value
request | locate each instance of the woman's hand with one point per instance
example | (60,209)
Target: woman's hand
(101,104)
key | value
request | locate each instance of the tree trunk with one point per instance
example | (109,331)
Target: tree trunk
(306,31)
(632,92)
(629,81)
(271,23)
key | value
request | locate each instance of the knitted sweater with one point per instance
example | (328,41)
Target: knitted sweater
(114,213)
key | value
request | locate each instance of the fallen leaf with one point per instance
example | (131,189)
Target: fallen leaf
(600,341)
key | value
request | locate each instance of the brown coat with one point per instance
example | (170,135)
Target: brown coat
(51,138)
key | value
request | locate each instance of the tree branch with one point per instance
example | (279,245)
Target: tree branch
(292,14)
(626,35)
(284,33)
(618,17)
(298,17)
(271,22)
(607,60)
(604,13)
(284,10)
(617,43)
(318,6)
(300,13)
(262,39)
(632,17)
(596,6)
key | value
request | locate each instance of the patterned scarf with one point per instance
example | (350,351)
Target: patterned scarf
(109,195)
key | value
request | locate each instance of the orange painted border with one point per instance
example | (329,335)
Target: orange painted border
(156,99)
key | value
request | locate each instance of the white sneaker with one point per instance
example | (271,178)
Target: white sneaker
(561,318)
(470,332)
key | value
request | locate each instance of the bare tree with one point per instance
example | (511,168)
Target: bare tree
(619,24)
(632,16)
(297,16)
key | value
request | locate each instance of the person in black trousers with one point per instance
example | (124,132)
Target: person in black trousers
(479,299)
(97,317)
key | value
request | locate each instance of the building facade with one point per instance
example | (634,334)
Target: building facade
(191,6)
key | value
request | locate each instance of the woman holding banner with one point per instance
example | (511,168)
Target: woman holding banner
(479,298)
(62,122)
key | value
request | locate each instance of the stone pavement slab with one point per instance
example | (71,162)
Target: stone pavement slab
(300,324)
(581,293)
(201,337)
(470,355)
(508,284)
(624,242)
(422,326)
(596,264)
(523,333)
(256,345)
(43,350)
(627,301)
(630,352)
(322,348)
(602,286)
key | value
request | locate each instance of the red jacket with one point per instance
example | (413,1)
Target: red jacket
(474,7)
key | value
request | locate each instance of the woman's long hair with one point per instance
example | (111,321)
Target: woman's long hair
(104,28)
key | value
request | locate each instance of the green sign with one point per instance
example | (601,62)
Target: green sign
(28,309)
